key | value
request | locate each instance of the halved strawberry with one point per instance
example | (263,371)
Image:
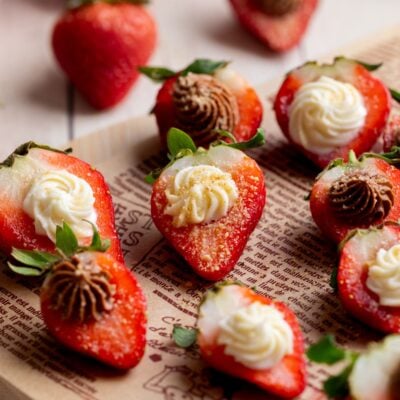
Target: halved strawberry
(375,104)
(370,375)
(280,25)
(286,377)
(356,194)
(205,97)
(210,245)
(376,372)
(356,275)
(90,302)
(118,336)
(17,175)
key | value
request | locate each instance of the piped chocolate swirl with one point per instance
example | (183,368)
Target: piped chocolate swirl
(278,7)
(203,104)
(361,197)
(80,289)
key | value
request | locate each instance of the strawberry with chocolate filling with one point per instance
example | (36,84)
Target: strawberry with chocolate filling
(251,337)
(368,277)
(279,24)
(207,203)
(204,98)
(326,110)
(90,301)
(356,194)
(41,188)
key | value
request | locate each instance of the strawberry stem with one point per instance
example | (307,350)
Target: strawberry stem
(72,4)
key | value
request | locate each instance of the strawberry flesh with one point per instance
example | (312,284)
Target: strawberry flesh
(17,228)
(355,296)
(279,33)
(287,379)
(119,337)
(376,98)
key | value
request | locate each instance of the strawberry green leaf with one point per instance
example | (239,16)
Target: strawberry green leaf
(177,141)
(256,141)
(333,279)
(66,240)
(226,134)
(369,67)
(184,337)
(204,66)
(71,4)
(395,95)
(326,351)
(27,271)
(157,74)
(34,258)
(97,244)
(337,386)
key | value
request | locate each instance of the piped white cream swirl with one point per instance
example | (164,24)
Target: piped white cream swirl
(200,194)
(325,114)
(59,196)
(384,276)
(256,336)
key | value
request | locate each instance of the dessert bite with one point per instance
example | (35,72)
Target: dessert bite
(327,110)
(41,188)
(90,302)
(278,24)
(204,98)
(369,375)
(207,202)
(368,277)
(252,337)
(356,194)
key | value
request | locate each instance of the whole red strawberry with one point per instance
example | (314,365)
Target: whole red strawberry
(99,46)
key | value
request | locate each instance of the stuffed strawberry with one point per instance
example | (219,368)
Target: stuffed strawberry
(90,302)
(356,194)
(370,375)
(326,110)
(41,188)
(99,46)
(203,99)
(368,277)
(207,203)
(252,337)
(279,24)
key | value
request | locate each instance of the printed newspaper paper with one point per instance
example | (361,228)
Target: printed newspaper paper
(286,258)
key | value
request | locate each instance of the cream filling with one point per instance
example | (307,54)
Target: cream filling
(59,196)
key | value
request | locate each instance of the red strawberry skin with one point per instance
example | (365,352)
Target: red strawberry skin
(336,229)
(100,46)
(17,228)
(213,249)
(287,379)
(119,337)
(376,100)
(353,273)
(249,105)
(278,33)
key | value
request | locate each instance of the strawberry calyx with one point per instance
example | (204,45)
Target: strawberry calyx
(180,144)
(326,351)
(38,263)
(23,150)
(198,66)
(72,4)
